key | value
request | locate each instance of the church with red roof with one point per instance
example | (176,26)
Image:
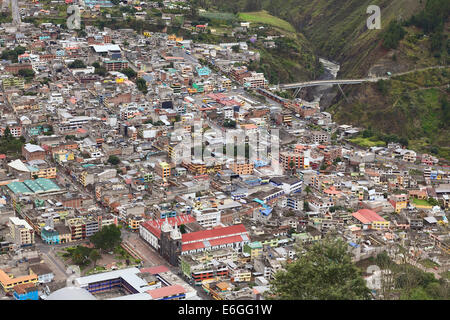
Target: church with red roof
(164,236)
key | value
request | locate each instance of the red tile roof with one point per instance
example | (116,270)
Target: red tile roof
(367,216)
(166,291)
(155,270)
(213,233)
(215,242)
(154,226)
(221,241)
(192,246)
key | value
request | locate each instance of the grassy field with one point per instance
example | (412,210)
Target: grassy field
(427,263)
(421,202)
(226,16)
(367,142)
(265,18)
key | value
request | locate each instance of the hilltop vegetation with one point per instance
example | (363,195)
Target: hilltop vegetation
(263,17)
(337,29)
(414,107)
(289,61)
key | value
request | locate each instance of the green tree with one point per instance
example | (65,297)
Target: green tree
(235,48)
(101,71)
(308,190)
(433,201)
(130,73)
(416,294)
(107,239)
(7,134)
(94,256)
(80,256)
(228,123)
(77,64)
(26,73)
(113,160)
(142,85)
(324,272)
(393,34)
(306,206)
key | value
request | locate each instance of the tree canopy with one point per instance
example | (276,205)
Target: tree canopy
(77,64)
(80,255)
(113,159)
(324,272)
(141,85)
(9,144)
(107,239)
(130,73)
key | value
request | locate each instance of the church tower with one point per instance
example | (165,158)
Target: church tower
(170,243)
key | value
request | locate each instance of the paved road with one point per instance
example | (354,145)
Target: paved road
(150,256)
(55,264)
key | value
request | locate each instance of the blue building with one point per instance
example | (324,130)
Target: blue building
(50,236)
(26,291)
(203,71)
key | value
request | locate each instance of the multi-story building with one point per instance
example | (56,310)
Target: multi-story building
(16,131)
(254,249)
(163,169)
(293,160)
(14,68)
(199,271)
(242,168)
(42,169)
(21,232)
(77,228)
(207,218)
(33,152)
(399,201)
(199,167)
(115,65)
(319,137)
(13,82)
(370,220)
(92,226)
(8,282)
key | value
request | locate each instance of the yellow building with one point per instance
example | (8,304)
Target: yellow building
(242,168)
(255,249)
(399,201)
(226,83)
(134,222)
(48,173)
(163,169)
(242,275)
(8,282)
(86,178)
(63,156)
(77,228)
(380,225)
(198,167)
